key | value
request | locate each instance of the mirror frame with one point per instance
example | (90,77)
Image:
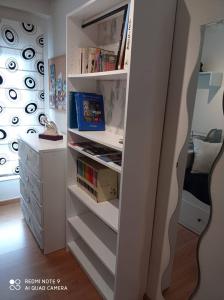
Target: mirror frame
(192,16)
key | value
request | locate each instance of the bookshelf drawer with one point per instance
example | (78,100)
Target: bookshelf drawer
(30,158)
(32,181)
(31,202)
(32,223)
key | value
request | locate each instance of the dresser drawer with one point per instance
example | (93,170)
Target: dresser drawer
(32,204)
(29,158)
(30,220)
(32,182)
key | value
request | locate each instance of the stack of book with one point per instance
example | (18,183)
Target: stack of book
(97,60)
(100,60)
(103,153)
(98,181)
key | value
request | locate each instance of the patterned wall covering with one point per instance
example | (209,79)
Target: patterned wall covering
(21,88)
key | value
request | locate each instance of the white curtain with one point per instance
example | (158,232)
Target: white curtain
(21,88)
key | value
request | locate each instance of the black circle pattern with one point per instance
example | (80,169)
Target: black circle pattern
(15,146)
(28,53)
(15,120)
(16,171)
(31,108)
(40,41)
(3,134)
(13,94)
(31,130)
(1,109)
(2,161)
(30,83)
(9,35)
(1,80)
(40,67)
(41,95)
(11,64)
(40,118)
(29,28)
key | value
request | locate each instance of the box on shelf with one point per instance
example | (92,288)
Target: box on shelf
(100,182)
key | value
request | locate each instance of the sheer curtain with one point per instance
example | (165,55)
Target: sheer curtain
(21,88)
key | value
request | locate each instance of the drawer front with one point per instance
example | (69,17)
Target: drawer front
(29,158)
(32,204)
(35,228)
(31,182)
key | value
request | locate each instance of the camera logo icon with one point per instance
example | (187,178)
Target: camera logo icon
(15,284)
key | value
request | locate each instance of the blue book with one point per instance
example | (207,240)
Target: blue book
(72,111)
(89,112)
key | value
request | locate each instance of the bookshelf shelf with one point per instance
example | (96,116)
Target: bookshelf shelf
(110,165)
(99,237)
(106,211)
(94,268)
(109,75)
(102,137)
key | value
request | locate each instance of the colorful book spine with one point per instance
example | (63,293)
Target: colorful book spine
(97,60)
(87,172)
(85,60)
(127,56)
(124,30)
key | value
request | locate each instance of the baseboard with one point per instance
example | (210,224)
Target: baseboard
(9,201)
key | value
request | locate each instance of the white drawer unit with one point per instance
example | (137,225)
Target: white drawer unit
(42,188)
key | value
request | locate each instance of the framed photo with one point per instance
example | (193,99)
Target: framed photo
(57,82)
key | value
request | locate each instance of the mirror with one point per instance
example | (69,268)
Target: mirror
(200,181)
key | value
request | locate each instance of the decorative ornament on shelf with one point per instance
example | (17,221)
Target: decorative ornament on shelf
(51,131)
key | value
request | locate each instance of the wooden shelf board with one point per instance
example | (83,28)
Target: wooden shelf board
(98,236)
(102,137)
(107,211)
(96,271)
(108,75)
(110,165)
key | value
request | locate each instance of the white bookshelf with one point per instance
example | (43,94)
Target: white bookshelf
(95,269)
(98,236)
(105,138)
(112,239)
(110,75)
(110,165)
(106,211)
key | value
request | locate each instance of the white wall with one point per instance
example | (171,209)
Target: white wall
(41,7)
(208,104)
(59,10)
(9,189)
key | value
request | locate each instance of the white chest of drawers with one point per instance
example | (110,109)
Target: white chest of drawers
(42,188)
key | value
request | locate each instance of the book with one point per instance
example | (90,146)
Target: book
(72,112)
(92,148)
(127,55)
(108,62)
(89,112)
(97,60)
(123,39)
(85,60)
(100,182)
